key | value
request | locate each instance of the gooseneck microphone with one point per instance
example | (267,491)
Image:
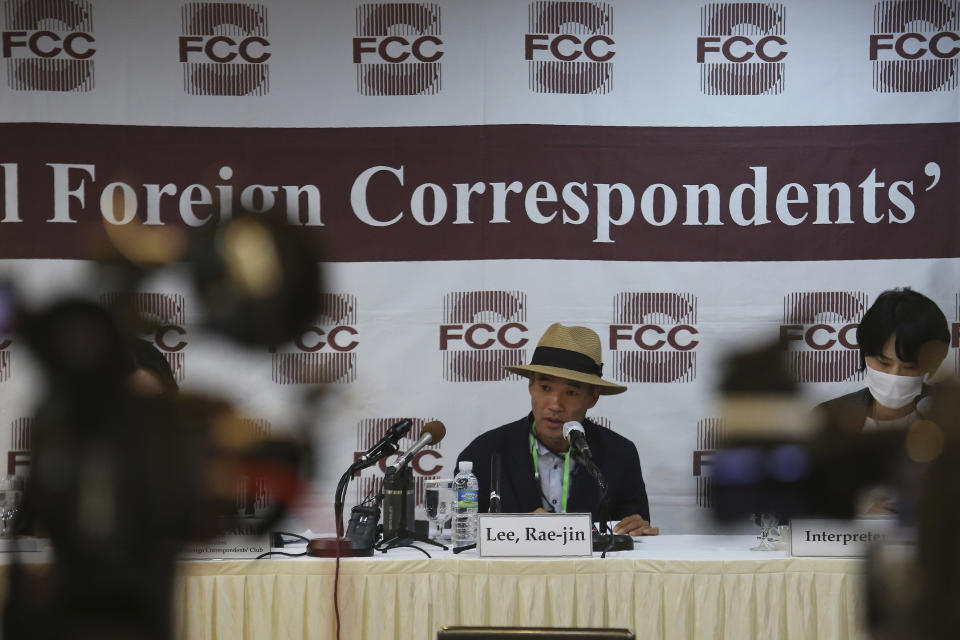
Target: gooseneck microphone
(387,445)
(432,433)
(574,434)
(397,492)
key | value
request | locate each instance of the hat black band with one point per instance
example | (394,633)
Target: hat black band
(566,359)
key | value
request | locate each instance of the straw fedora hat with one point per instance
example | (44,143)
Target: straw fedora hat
(573,353)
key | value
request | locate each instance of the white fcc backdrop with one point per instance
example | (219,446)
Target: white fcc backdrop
(379,350)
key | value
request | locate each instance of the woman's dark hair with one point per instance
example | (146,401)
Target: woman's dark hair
(144,355)
(915,319)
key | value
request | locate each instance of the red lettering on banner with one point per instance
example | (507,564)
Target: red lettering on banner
(397,49)
(418,52)
(447,334)
(471,331)
(935,44)
(162,334)
(482,335)
(762,49)
(418,466)
(619,332)
(13,39)
(224,49)
(35,38)
(702,459)
(416,463)
(910,45)
(535,42)
(68,45)
(568,47)
(188,45)
(46,44)
(505,341)
(820,336)
(741,48)
(652,337)
(705,45)
(900,46)
(639,337)
(16,459)
(843,336)
(879,42)
(558,54)
(317,342)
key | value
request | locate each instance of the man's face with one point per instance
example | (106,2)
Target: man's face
(558,400)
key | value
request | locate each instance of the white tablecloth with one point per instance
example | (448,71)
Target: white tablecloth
(668,587)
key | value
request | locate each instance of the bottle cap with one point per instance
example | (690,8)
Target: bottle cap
(465,466)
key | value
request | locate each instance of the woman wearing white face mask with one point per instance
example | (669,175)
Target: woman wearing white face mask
(903,338)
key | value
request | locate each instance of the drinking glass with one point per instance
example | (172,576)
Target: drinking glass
(438,503)
(9,504)
(766,522)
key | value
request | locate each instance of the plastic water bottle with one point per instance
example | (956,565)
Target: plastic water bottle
(467,489)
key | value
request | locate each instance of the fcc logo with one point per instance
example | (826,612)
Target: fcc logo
(327,351)
(654,337)
(5,344)
(819,331)
(569,47)
(224,49)
(711,435)
(397,49)
(741,48)
(166,316)
(914,45)
(428,463)
(482,332)
(21,442)
(48,45)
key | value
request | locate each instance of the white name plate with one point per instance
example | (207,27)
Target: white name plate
(226,547)
(838,538)
(532,535)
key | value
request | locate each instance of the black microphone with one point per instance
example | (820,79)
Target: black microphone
(387,445)
(431,433)
(495,484)
(574,434)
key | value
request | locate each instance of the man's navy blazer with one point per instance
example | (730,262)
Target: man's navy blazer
(616,457)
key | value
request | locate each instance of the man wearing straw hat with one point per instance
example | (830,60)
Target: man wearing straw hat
(538,472)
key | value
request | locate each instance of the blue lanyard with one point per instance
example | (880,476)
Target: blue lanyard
(536,470)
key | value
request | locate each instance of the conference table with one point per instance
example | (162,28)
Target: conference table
(680,586)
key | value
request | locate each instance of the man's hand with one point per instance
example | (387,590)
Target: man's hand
(635,526)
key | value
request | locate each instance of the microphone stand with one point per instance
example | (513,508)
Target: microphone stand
(363,522)
(604,540)
(399,481)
